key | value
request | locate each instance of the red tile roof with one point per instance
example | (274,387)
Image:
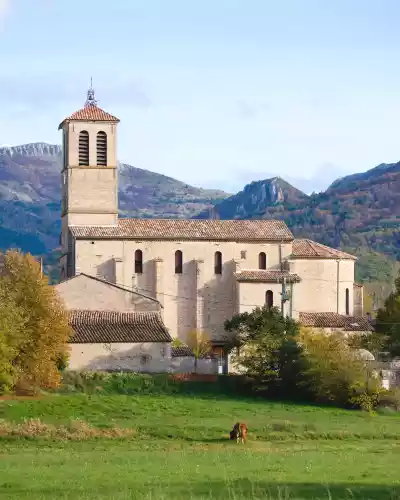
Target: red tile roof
(306,249)
(266,276)
(90,113)
(188,229)
(96,327)
(185,351)
(334,320)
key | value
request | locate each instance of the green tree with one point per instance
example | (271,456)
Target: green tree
(267,348)
(46,330)
(388,320)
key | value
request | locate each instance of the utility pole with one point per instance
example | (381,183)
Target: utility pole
(283,296)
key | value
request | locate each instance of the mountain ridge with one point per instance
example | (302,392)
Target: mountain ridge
(359,212)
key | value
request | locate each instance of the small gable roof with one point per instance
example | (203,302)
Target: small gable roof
(335,320)
(308,249)
(266,276)
(96,327)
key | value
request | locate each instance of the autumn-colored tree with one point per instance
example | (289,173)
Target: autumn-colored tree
(334,372)
(200,343)
(12,325)
(46,328)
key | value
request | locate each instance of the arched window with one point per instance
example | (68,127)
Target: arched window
(138,262)
(269,298)
(84,148)
(101,146)
(178,262)
(347,302)
(262,261)
(218,263)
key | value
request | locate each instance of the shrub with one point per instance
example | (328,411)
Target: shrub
(390,399)
(334,373)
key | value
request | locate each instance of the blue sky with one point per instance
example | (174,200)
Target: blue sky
(216,93)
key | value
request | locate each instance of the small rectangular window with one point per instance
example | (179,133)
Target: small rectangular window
(243,254)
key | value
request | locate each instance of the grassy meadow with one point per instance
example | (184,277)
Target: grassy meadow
(175,446)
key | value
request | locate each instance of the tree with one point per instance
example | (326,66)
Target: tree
(267,348)
(12,324)
(46,329)
(388,320)
(200,344)
(333,372)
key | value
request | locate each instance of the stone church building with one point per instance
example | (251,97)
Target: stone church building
(198,272)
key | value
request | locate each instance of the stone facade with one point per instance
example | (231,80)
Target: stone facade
(92,294)
(128,356)
(141,255)
(196,298)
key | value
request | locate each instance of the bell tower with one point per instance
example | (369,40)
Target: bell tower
(89,177)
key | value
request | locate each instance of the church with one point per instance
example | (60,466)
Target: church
(198,273)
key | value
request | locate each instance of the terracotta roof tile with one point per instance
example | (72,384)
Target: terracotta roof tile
(181,351)
(189,229)
(185,351)
(334,320)
(266,276)
(306,249)
(90,113)
(96,327)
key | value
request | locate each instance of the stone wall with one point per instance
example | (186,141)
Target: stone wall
(83,292)
(323,285)
(146,357)
(197,298)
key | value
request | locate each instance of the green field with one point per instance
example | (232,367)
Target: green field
(177,447)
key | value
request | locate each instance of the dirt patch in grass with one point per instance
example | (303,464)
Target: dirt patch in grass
(77,430)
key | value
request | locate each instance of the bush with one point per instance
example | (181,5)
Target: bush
(334,373)
(390,399)
(163,383)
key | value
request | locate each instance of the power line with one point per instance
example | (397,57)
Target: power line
(231,302)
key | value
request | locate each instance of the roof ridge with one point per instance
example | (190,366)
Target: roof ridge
(190,229)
